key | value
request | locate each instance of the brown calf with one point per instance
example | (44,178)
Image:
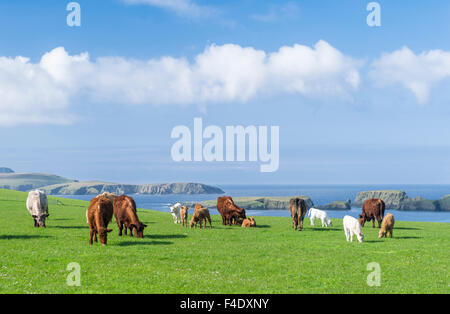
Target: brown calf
(200,215)
(249,222)
(387,226)
(298,211)
(184,215)
(229,211)
(99,215)
(126,216)
(372,209)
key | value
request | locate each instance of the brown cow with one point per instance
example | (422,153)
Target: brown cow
(249,222)
(100,213)
(229,211)
(126,216)
(184,215)
(372,209)
(200,215)
(387,226)
(298,210)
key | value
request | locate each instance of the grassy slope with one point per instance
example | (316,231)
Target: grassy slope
(35,179)
(170,259)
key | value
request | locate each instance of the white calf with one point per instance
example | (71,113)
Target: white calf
(175,211)
(352,227)
(315,213)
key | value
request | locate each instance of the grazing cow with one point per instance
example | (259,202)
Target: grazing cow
(372,209)
(175,211)
(200,215)
(387,226)
(352,227)
(100,213)
(37,205)
(110,196)
(126,216)
(184,215)
(249,222)
(315,213)
(298,212)
(229,211)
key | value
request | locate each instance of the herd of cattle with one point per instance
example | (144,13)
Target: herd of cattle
(106,205)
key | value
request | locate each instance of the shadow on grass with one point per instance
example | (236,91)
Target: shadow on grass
(322,229)
(133,243)
(22,237)
(263,226)
(373,241)
(406,228)
(166,236)
(59,219)
(411,237)
(69,227)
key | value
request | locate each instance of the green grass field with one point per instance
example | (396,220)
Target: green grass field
(171,259)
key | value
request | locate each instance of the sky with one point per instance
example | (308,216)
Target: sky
(354,104)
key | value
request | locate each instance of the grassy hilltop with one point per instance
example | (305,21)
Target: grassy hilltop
(170,259)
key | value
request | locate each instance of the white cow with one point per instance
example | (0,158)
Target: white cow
(37,205)
(315,213)
(175,211)
(352,227)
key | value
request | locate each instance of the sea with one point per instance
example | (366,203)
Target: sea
(319,194)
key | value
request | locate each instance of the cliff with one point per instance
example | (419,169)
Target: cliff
(399,200)
(96,187)
(392,198)
(336,205)
(261,203)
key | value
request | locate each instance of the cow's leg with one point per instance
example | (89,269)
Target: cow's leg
(95,236)
(311,220)
(379,222)
(351,236)
(390,233)
(210,225)
(120,225)
(125,229)
(35,223)
(373,222)
(347,236)
(91,235)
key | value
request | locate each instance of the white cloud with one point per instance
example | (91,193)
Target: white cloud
(186,8)
(44,92)
(278,12)
(415,72)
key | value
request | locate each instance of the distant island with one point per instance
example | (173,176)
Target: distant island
(53,184)
(399,200)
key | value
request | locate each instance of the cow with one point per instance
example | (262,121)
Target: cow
(387,226)
(315,213)
(372,209)
(100,213)
(249,222)
(110,196)
(229,211)
(37,205)
(200,215)
(175,211)
(298,211)
(352,227)
(126,216)
(184,215)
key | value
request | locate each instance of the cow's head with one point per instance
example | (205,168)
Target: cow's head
(40,220)
(330,223)
(138,229)
(103,235)
(360,237)
(362,220)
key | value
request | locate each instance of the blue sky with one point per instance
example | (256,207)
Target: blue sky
(92,117)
